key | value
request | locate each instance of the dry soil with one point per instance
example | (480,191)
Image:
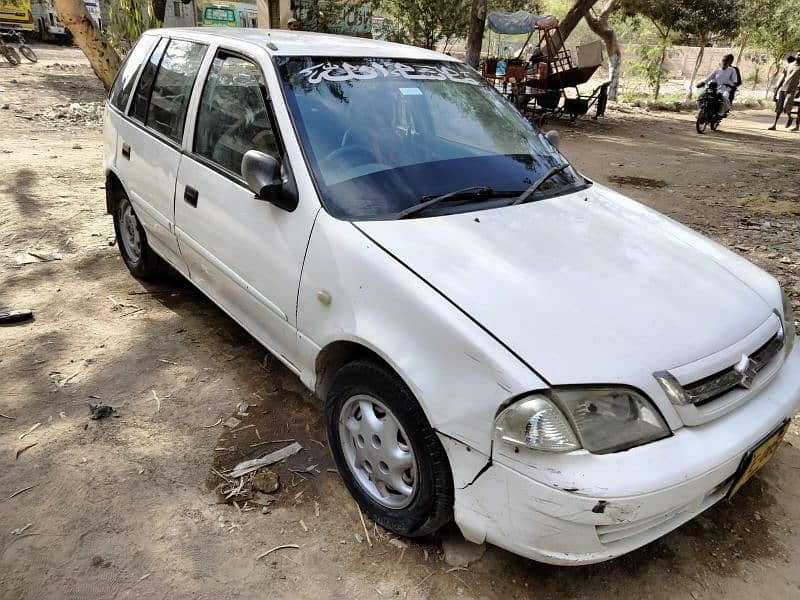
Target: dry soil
(122,507)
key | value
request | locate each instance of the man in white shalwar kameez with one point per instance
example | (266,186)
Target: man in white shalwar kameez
(727,80)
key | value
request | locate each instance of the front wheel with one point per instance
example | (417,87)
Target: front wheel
(701,123)
(28,53)
(10,54)
(386,452)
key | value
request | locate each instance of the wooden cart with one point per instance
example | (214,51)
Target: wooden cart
(548,83)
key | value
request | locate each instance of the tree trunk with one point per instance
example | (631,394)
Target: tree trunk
(102,57)
(574,16)
(477,25)
(745,37)
(661,59)
(777,66)
(696,68)
(599,25)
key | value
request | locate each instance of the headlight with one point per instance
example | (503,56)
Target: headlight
(789,331)
(599,419)
(609,419)
(536,423)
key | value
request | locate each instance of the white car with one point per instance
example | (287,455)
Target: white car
(565,372)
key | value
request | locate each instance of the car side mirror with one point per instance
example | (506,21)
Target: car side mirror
(262,173)
(554,138)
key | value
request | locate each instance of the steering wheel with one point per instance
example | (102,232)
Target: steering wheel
(242,122)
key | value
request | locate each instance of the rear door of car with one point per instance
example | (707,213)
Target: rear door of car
(149,142)
(245,253)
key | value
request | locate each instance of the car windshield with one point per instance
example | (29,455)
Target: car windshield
(383,135)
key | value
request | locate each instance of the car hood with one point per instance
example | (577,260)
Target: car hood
(586,288)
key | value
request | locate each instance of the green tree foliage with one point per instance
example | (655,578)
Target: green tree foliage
(665,17)
(701,20)
(128,20)
(705,20)
(773,25)
(425,22)
(322,16)
(649,64)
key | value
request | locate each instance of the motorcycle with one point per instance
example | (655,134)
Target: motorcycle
(709,102)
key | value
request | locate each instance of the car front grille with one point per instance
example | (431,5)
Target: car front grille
(740,375)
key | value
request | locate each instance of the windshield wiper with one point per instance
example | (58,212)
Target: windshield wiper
(535,187)
(475,192)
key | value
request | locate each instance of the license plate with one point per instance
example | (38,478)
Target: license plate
(756,458)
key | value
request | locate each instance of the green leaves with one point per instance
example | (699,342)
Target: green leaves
(128,20)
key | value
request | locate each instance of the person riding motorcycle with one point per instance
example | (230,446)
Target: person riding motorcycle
(727,81)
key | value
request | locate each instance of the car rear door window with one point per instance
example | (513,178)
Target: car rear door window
(173,87)
(123,84)
(141,98)
(234,114)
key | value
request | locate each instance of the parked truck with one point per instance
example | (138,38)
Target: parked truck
(15,15)
(47,24)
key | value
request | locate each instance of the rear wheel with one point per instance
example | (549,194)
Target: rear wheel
(388,455)
(701,123)
(715,124)
(140,259)
(28,53)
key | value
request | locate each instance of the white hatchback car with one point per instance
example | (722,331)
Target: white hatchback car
(497,339)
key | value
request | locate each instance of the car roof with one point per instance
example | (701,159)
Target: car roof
(304,43)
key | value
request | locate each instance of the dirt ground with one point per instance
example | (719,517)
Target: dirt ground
(122,507)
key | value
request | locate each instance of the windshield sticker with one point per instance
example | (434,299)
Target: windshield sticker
(346,71)
(411,91)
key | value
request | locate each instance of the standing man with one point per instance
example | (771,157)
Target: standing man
(726,79)
(785,92)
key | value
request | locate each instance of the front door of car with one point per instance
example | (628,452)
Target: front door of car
(246,254)
(149,145)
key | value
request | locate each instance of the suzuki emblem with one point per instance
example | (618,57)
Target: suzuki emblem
(747,369)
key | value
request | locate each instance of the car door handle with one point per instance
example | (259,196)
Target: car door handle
(190,195)
(126,151)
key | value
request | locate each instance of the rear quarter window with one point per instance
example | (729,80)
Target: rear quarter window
(141,99)
(123,84)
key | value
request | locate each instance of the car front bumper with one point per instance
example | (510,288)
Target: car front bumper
(506,505)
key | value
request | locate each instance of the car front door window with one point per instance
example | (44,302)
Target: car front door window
(234,116)
(173,87)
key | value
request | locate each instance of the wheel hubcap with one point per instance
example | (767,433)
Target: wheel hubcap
(129,230)
(377,451)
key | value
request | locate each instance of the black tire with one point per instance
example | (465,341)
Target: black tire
(148,265)
(28,53)
(715,124)
(10,55)
(432,503)
(701,123)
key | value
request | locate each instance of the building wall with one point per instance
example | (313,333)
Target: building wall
(178,14)
(283,15)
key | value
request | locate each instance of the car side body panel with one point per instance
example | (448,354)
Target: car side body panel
(460,374)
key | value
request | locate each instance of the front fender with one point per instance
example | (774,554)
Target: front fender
(457,371)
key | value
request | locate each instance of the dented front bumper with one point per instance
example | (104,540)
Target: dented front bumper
(596,507)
